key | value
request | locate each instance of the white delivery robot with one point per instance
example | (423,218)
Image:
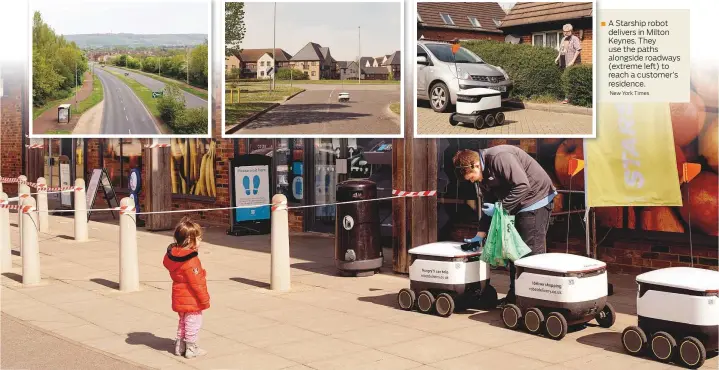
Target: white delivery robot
(678,315)
(556,290)
(343,97)
(441,275)
(479,107)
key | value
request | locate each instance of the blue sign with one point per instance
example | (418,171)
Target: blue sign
(252,189)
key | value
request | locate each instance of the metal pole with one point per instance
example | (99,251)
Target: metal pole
(187,63)
(359,54)
(274,37)
(76,85)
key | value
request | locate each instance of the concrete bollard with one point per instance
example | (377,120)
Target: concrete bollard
(280,244)
(30,248)
(129,263)
(42,214)
(23,192)
(5,247)
(81,233)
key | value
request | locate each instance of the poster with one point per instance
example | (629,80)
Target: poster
(66,197)
(252,188)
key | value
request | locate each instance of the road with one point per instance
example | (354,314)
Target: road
(317,111)
(191,101)
(123,112)
(28,347)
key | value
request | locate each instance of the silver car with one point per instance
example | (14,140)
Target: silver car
(439,81)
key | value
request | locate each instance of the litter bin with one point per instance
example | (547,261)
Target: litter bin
(63,113)
(358,250)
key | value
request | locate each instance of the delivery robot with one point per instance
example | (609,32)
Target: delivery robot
(479,107)
(343,97)
(442,275)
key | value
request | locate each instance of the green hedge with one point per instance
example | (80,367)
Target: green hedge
(577,84)
(291,74)
(532,69)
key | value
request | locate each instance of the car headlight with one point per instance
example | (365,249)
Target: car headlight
(463,75)
(506,76)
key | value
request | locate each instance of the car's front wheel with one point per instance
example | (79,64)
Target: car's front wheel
(439,97)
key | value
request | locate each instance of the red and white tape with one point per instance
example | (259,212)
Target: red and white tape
(9,180)
(60,189)
(279,207)
(158,146)
(426,193)
(24,209)
(35,146)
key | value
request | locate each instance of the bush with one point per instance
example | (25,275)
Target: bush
(532,69)
(577,84)
(191,121)
(171,104)
(287,74)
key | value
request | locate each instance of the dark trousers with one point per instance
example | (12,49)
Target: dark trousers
(532,226)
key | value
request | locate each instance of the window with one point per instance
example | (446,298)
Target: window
(193,167)
(314,73)
(447,19)
(262,73)
(119,157)
(290,168)
(548,39)
(475,22)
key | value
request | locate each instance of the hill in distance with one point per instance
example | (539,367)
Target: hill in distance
(131,40)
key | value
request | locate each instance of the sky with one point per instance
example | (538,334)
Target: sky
(178,16)
(332,25)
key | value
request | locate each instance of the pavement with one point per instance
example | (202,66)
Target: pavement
(47,121)
(535,121)
(317,111)
(90,122)
(324,322)
(191,101)
(123,112)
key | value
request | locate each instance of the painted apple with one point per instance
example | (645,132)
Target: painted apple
(559,198)
(691,153)
(708,144)
(687,120)
(704,82)
(569,149)
(702,202)
(661,219)
(614,217)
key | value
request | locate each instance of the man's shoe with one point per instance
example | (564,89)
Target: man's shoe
(180,347)
(509,298)
(194,351)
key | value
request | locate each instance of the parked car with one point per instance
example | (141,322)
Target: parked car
(441,75)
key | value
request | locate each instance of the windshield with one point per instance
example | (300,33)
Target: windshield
(443,52)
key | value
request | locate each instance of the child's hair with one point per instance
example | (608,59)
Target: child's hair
(188,233)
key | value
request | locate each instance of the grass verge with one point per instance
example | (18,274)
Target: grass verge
(200,93)
(258,92)
(339,82)
(236,113)
(95,97)
(37,111)
(395,107)
(57,132)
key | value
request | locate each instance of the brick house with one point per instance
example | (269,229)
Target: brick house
(315,61)
(540,24)
(232,62)
(393,63)
(250,61)
(441,21)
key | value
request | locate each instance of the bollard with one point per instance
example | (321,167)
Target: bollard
(280,244)
(42,214)
(5,247)
(81,234)
(23,192)
(31,251)
(129,269)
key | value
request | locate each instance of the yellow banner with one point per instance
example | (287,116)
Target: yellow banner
(632,160)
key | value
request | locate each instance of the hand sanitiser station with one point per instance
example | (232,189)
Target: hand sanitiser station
(442,275)
(678,315)
(556,290)
(479,107)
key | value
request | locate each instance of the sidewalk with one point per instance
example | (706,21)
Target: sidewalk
(47,121)
(324,322)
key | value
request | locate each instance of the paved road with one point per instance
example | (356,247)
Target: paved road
(27,347)
(317,111)
(123,112)
(518,122)
(191,101)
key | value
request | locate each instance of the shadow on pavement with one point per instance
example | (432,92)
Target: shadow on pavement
(106,283)
(152,341)
(608,341)
(387,300)
(255,283)
(13,276)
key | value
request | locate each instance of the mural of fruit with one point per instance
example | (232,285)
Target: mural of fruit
(559,198)
(702,202)
(614,217)
(687,120)
(708,144)
(691,153)
(570,148)
(704,82)
(680,160)
(661,219)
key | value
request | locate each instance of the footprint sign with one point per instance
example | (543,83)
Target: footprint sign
(252,193)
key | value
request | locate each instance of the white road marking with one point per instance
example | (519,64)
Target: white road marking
(127,119)
(329,101)
(129,132)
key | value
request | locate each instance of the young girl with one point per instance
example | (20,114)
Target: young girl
(189,286)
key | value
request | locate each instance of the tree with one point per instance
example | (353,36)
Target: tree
(234,27)
(198,66)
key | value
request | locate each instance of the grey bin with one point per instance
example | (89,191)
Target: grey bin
(358,247)
(63,113)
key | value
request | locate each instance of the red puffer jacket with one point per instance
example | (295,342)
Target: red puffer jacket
(189,286)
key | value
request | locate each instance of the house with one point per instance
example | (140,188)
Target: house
(315,61)
(393,63)
(232,62)
(540,24)
(346,70)
(375,73)
(250,61)
(441,21)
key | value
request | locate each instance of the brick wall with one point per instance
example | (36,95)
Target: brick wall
(449,35)
(11,122)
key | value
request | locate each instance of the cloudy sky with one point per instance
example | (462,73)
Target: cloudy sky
(333,25)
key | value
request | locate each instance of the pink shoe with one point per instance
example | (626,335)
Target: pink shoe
(565,101)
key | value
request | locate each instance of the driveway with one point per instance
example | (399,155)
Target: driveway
(317,111)
(518,122)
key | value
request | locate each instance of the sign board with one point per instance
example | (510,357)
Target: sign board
(270,71)
(66,197)
(100,177)
(156,94)
(251,183)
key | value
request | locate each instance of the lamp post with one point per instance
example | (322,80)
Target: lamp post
(359,55)
(274,36)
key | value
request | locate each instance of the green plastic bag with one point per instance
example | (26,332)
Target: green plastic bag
(503,241)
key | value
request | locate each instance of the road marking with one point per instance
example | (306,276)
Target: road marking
(129,132)
(123,107)
(127,119)
(329,101)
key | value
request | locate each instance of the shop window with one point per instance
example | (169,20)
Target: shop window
(119,157)
(290,169)
(193,167)
(80,170)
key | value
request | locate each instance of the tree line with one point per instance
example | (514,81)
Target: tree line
(57,65)
(173,65)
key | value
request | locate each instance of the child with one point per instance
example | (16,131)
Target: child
(189,286)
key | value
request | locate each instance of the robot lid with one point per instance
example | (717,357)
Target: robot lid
(689,278)
(560,263)
(443,249)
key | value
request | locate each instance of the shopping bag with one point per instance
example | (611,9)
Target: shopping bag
(503,241)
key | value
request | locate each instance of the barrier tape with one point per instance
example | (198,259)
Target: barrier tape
(428,193)
(35,146)
(23,209)
(157,146)
(8,180)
